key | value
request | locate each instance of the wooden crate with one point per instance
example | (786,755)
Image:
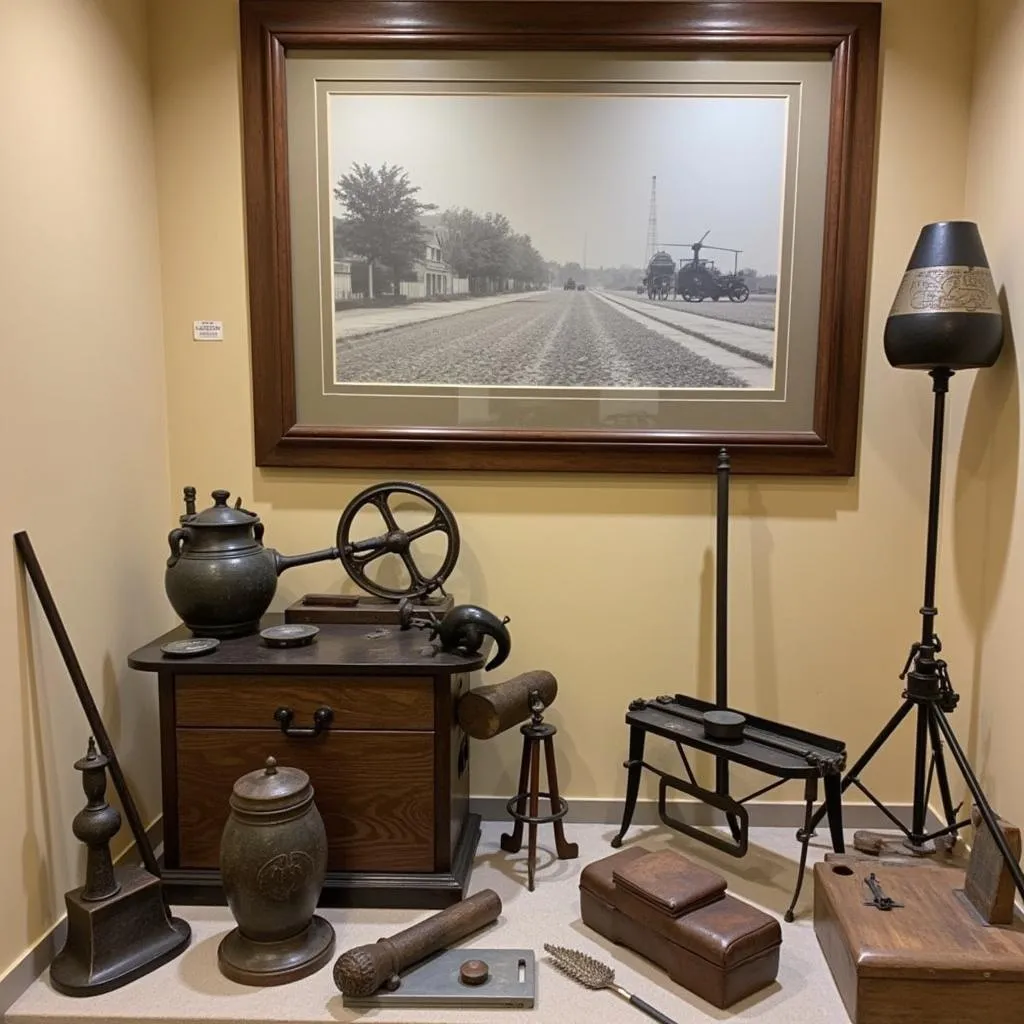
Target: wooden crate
(932,960)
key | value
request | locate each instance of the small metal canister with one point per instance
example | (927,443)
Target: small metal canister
(273,861)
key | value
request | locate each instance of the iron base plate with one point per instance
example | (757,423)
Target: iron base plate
(511,982)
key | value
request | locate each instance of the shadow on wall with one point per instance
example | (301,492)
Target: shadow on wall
(985,500)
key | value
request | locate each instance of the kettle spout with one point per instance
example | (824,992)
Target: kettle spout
(463,630)
(283,562)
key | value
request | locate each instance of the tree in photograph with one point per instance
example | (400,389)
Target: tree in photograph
(488,252)
(527,267)
(382,222)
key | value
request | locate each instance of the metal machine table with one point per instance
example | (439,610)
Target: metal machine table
(768,747)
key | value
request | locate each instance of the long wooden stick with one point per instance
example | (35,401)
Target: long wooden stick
(99,731)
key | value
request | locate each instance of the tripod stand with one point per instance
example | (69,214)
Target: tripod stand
(930,691)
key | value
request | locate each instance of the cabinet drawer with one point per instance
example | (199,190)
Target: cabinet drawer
(358,702)
(375,792)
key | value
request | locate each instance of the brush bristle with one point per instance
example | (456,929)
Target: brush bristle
(581,967)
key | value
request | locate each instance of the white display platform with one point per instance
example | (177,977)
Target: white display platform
(191,989)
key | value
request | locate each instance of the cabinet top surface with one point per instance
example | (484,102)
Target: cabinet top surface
(367,649)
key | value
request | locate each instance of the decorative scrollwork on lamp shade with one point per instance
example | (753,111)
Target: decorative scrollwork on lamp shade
(946,313)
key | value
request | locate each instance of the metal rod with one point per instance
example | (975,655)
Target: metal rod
(99,731)
(939,764)
(722,584)
(940,385)
(920,772)
(763,790)
(885,810)
(722,609)
(851,777)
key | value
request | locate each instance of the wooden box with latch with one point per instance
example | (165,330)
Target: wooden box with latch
(932,958)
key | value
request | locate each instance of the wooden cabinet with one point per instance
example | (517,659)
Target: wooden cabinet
(389,764)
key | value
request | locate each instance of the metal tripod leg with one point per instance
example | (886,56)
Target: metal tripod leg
(862,761)
(940,766)
(920,808)
(980,801)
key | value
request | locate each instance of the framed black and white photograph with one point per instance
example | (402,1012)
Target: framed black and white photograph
(611,243)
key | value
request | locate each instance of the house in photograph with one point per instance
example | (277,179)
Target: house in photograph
(434,276)
(343,279)
(430,275)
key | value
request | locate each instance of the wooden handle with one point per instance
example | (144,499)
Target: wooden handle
(489,710)
(362,970)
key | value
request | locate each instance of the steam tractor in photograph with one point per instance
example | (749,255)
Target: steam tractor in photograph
(700,279)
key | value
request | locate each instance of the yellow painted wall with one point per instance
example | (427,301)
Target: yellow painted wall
(987,542)
(606,578)
(110,408)
(83,444)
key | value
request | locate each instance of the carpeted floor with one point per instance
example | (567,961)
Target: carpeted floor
(191,988)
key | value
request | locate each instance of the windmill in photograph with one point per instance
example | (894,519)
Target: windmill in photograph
(450,271)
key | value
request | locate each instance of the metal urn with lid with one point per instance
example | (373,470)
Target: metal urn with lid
(220,578)
(273,860)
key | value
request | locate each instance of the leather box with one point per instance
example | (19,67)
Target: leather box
(678,915)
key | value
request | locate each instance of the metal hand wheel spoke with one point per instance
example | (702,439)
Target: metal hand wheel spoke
(364,552)
(418,579)
(437,524)
(356,555)
(380,502)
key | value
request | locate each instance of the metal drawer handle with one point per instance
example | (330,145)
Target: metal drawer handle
(321,720)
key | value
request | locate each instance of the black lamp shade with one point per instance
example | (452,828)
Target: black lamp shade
(946,313)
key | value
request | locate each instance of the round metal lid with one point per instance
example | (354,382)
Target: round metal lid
(271,788)
(220,514)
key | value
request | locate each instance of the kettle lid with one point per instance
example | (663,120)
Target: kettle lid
(271,788)
(221,514)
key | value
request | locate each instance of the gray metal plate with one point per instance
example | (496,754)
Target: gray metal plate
(512,981)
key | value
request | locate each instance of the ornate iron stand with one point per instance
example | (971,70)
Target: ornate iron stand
(758,743)
(537,732)
(119,927)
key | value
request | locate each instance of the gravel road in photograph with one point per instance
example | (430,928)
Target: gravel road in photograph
(548,339)
(757,311)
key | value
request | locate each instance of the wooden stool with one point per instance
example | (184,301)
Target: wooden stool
(535,732)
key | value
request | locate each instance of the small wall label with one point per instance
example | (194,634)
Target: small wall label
(208,330)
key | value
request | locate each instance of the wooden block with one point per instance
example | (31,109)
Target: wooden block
(489,710)
(989,884)
(360,609)
(931,960)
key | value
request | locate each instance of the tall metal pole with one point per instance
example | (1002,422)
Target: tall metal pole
(722,584)
(940,378)
(722,611)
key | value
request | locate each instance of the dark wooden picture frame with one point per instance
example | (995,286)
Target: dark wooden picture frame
(847,32)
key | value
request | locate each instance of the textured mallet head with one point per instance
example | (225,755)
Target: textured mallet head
(580,967)
(361,971)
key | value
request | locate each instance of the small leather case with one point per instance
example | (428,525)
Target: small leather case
(668,883)
(678,915)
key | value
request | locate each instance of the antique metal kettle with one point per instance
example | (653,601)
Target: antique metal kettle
(220,578)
